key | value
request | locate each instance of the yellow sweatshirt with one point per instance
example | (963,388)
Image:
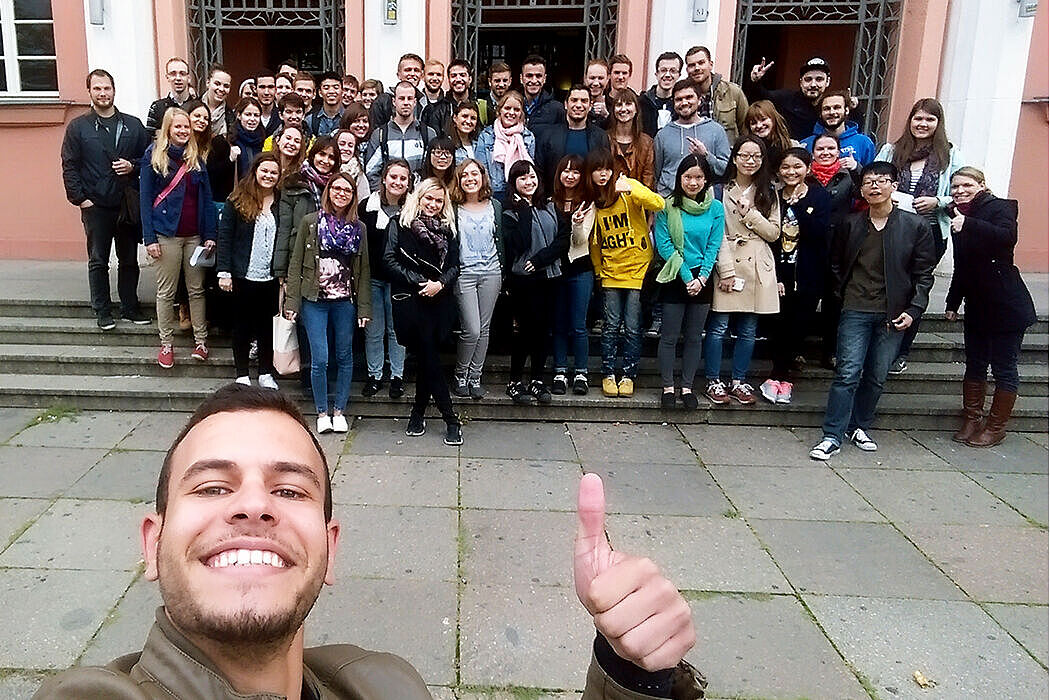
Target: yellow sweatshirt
(620,246)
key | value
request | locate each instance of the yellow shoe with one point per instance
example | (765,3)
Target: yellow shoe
(609,387)
(626,387)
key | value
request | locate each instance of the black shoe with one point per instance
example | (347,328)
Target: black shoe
(417,426)
(477,392)
(106,322)
(372,386)
(828,362)
(517,392)
(689,401)
(579,385)
(667,399)
(459,387)
(453,434)
(540,391)
(560,385)
(136,317)
(397,387)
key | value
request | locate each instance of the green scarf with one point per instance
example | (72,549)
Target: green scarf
(677,231)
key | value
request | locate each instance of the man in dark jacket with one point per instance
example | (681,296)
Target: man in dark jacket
(243,539)
(438,115)
(409,70)
(542,111)
(657,103)
(100,163)
(882,269)
(178,73)
(575,134)
(797,106)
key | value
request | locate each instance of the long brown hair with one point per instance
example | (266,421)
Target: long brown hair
(780,139)
(350,215)
(247,196)
(455,191)
(600,159)
(765,197)
(625,96)
(906,145)
(290,169)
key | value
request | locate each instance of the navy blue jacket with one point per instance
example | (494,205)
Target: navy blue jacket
(164,219)
(87,164)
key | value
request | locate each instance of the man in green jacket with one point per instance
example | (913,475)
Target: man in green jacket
(243,539)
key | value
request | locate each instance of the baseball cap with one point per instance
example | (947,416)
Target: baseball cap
(815,63)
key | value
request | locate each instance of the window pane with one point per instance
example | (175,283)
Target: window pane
(3,77)
(35,39)
(38,75)
(32,9)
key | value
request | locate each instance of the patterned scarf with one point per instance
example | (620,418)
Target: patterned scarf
(433,234)
(315,181)
(926,184)
(337,236)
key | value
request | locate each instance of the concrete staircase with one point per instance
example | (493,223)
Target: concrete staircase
(52,353)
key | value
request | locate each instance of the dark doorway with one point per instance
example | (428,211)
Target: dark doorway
(791,45)
(245,51)
(563,48)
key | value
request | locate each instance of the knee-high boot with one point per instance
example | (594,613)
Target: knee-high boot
(973,409)
(998,416)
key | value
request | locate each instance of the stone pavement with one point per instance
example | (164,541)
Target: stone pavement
(811,580)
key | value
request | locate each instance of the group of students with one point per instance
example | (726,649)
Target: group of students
(409,212)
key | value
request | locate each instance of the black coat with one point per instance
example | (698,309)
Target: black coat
(985,276)
(376,240)
(909,257)
(233,249)
(517,239)
(550,148)
(547,113)
(87,164)
(807,275)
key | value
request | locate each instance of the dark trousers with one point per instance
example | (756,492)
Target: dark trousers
(254,306)
(911,331)
(999,350)
(789,330)
(430,377)
(104,233)
(532,303)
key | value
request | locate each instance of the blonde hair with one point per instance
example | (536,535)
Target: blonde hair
(410,210)
(970,172)
(160,161)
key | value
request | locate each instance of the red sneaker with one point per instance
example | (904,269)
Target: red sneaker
(200,352)
(166,357)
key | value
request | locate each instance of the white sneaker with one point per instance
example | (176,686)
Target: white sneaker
(324,424)
(861,440)
(824,450)
(339,424)
(770,390)
(246,381)
(266,381)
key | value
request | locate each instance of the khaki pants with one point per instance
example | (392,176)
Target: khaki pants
(175,254)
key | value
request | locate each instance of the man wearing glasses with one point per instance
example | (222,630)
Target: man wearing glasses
(656,103)
(882,269)
(178,74)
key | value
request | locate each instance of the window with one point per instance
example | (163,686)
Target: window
(27,49)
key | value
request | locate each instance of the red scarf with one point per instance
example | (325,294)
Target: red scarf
(824,173)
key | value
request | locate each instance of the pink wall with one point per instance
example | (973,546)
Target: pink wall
(919,53)
(170,37)
(46,227)
(632,38)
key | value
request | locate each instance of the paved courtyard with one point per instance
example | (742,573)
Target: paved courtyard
(806,580)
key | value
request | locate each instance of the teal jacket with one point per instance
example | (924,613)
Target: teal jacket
(703,238)
(944,184)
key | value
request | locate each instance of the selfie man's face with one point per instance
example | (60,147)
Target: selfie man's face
(242,548)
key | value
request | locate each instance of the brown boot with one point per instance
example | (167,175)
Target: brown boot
(995,425)
(973,409)
(184,317)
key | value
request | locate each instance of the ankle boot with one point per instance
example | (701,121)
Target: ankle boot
(994,429)
(973,409)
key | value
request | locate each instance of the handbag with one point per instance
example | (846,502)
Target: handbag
(285,343)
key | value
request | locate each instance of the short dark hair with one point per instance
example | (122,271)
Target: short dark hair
(534,59)
(698,49)
(233,398)
(352,80)
(99,73)
(621,58)
(304,75)
(880,167)
(844,94)
(264,73)
(460,63)
(670,56)
(292,99)
(411,57)
(499,67)
(329,75)
(290,63)
(685,84)
(578,86)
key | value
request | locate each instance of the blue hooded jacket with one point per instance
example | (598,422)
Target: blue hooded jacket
(851,143)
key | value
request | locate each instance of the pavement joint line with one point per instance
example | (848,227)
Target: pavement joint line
(986,611)
(462,539)
(1029,519)
(110,616)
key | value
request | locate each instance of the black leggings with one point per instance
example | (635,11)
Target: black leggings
(790,328)
(430,376)
(1000,350)
(254,306)
(532,304)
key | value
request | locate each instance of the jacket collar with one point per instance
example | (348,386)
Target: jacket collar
(174,663)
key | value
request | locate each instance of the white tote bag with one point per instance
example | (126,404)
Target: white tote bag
(285,343)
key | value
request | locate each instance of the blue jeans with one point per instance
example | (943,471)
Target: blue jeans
(622,306)
(717,325)
(316,316)
(570,321)
(382,324)
(866,349)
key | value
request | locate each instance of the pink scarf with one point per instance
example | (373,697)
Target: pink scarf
(509,147)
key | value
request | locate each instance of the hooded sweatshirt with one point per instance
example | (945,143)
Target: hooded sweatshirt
(657,112)
(620,247)
(671,145)
(851,143)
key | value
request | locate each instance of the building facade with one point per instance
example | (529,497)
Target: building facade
(984,59)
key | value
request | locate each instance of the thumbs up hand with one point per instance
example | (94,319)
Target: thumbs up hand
(639,611)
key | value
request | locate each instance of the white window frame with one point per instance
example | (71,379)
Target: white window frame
(11,57)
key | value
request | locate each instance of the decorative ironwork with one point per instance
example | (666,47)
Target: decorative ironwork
(596,17)
(874,51)
(208,17)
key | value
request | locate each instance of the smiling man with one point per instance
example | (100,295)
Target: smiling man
(244,538)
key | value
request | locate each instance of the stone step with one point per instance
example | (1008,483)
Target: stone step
(184,394)
(140,360)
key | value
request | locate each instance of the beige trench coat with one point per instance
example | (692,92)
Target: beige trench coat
(746,254)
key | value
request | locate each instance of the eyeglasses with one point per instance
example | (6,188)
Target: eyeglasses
(443,155)
(667,71)
(750,157)
(341,190)
(872,182)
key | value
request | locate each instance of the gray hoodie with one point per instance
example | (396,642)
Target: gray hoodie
(671,145)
